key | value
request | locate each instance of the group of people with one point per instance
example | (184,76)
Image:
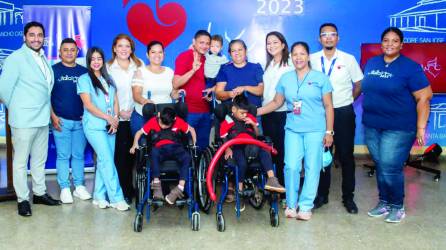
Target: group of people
(304,104)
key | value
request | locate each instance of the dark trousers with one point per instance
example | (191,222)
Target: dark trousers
(175,152)
(238,154)
(124,161)
(344,141)
(274,127)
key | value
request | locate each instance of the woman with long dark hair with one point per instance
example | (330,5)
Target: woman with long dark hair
(277,63)
(100,123)
(122,67)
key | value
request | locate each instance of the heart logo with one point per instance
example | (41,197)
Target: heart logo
(145,27)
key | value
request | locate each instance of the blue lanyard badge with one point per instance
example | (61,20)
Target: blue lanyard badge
(331,66)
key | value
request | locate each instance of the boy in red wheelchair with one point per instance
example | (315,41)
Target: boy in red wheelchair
(165,129)
(241,124)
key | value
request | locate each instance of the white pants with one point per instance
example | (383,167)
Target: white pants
(29,142)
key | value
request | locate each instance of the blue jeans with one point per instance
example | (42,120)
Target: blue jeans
(201,122)
(70,143)
(298,146)
(389,149)
(136,122)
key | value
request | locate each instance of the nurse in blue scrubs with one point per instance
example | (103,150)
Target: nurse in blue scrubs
(100,123)
(308,128)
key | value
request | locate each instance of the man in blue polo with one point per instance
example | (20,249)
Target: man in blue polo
(66,117)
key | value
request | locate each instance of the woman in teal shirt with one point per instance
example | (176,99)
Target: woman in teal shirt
(308,128)
(100,123)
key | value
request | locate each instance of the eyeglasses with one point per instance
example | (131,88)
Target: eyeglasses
(329,34)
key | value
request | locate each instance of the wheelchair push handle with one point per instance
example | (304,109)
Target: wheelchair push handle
(219,153)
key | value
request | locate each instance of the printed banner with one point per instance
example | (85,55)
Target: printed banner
(61,22)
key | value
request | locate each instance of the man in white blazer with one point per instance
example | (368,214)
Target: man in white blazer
(25,88)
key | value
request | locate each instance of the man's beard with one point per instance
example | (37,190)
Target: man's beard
(329,48)
(36,50)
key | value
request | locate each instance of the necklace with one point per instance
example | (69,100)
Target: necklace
(391,61)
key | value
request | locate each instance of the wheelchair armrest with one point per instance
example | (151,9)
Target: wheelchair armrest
(265,139)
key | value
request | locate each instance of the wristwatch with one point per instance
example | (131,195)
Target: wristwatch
(329,132)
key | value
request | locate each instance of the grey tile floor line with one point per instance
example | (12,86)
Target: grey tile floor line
(83,226)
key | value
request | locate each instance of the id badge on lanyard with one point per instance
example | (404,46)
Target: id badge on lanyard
(297,102)
(107,101)
(297,107)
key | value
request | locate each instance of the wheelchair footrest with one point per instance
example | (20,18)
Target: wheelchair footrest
(247,193)
(158,203)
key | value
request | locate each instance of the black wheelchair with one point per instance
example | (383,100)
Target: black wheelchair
(227,169)
(169,173)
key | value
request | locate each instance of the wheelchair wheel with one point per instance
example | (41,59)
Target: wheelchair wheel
(137,224)
(220,223)
(203,198)
(195,221)
(258,199)
(274,217)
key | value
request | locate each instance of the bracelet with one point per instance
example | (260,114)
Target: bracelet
(421,127)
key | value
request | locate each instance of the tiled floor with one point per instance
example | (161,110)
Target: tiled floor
(83,226)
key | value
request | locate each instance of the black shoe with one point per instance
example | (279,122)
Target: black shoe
(320,201)
(46,200)
(350,206)
(24,208)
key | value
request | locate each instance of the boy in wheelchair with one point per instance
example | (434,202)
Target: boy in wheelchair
(165,131)
(241,124)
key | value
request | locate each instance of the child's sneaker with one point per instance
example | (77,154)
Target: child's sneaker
(290,212)
(395,215)
(174,194)
(272,184)
(103,204)
(157,191)
(380,210)
(304,215)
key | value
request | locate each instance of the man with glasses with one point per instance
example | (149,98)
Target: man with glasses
(345,76)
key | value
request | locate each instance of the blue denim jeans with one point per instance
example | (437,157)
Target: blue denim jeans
(70,144)
(136,122)
(201,122)
(389,149)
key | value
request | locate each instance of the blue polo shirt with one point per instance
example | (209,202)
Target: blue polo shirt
(98,99)
(310,91)
(64,99)
(388,100)
(249,75)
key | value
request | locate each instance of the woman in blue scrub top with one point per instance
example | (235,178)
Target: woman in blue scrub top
(100,123)
(308,128)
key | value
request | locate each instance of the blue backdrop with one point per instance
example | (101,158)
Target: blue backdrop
(359,21)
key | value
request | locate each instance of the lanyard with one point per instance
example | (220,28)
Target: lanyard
(107,97)
(303,81)
(331,66)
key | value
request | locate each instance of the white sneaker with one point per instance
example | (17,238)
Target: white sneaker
(101,203)
(65,196)
(82,193)
(121,206)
